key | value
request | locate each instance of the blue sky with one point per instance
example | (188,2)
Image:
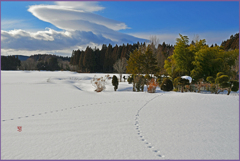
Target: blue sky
(29,28)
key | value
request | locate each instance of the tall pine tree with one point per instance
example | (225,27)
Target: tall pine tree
(89,60)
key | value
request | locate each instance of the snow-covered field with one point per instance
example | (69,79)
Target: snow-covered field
(63,118)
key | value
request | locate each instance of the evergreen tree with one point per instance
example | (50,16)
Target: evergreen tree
(162,53)
(166,85)
(114,54)
(232,43)
(124,50)
(53,64)
(107,63)
(89,60)
(171,67)
(75,57)
(10,62)
(149,62)
(80,63)
(97,54)
(102,57)
(72,57)
(135,62)
(41,65)
(182,55)
(115,82)
(119,51)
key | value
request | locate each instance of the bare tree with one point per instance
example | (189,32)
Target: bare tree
(154,41)
(120,66)
(195,39)
(64,65)
(28,64)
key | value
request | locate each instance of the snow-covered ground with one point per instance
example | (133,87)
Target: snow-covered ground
(63,118)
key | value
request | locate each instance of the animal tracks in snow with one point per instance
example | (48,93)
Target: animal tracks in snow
(137,126)
(69,108)
(140,134)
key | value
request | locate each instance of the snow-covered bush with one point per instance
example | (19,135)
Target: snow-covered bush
(99,83)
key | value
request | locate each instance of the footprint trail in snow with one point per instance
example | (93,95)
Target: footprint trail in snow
(61,110)
(141,136)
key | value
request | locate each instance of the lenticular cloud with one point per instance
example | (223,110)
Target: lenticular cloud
(48,39)
(80,28)
(58,16)
(83,5)
(71,19)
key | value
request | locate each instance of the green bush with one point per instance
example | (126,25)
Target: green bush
(175,90)
(130,79)
(115,82)
(235,86)
(166,85)
(124,78)
(159,81)
(139,82)
(176,81)
(183,82)
(147,77)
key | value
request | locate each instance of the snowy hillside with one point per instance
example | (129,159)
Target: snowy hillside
(63,118)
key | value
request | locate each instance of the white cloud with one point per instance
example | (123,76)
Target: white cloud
(48,40)
(71,19)
(62,52)
(51,41)
(85,6)
(81,28)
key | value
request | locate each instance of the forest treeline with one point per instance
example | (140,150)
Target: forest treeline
(97,60)
(102,60)
(36,62)
(214,68)
(232,43)
(10,63)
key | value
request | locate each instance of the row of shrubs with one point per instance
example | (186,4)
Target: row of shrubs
(139,81)
(216,86)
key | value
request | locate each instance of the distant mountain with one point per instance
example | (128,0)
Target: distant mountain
(22,57)
(41,56)
(38,57)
